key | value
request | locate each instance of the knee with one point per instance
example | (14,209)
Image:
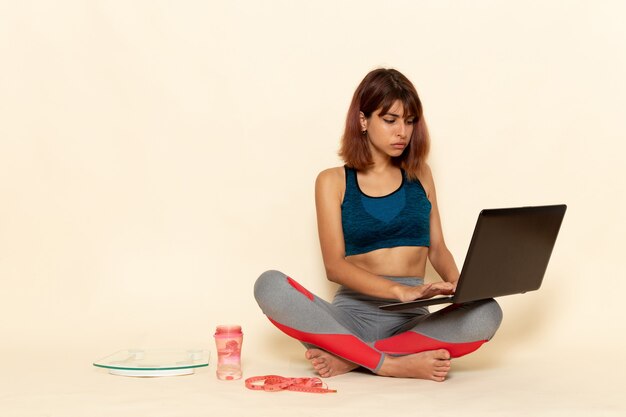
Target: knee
(489,314)
(268,286)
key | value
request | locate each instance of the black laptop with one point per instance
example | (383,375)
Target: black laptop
(508,254)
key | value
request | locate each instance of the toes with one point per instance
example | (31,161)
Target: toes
(442,354)
(321,367)
(324,372)
(312,353)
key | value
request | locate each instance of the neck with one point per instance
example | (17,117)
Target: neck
(381,162)
(379,159)
(380,168)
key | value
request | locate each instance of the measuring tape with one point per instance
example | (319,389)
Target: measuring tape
(280,383)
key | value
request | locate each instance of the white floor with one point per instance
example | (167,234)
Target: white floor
(569,383)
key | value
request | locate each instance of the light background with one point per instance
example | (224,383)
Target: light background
(157,156)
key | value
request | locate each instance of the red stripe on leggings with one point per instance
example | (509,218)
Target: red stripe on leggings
(300,288)
(411,342)
(345,345)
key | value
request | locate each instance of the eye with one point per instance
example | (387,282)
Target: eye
(390,121)
(410,121)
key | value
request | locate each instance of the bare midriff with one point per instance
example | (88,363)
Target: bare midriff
(402,261)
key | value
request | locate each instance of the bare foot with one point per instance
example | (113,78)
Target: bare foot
(432,364)
(327,365)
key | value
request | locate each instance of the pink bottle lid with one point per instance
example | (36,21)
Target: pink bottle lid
(228,330)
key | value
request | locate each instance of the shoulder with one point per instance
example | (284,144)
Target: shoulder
(331,176)
(425,176)
(425,172)
(331,180)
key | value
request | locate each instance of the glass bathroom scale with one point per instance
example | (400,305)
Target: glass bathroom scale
(154,362)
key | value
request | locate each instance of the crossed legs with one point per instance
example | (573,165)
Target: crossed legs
(421,348)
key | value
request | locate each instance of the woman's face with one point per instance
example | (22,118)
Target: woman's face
(389,133)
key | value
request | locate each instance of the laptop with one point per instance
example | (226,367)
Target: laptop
(508,254)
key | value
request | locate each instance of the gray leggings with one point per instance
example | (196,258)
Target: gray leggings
(354,328)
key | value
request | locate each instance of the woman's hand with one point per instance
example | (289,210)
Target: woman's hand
(406,293)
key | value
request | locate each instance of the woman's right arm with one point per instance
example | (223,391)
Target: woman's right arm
(329,190)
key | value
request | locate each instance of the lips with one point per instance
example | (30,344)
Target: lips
(399,145)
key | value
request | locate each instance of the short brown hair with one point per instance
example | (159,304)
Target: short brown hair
(379,90)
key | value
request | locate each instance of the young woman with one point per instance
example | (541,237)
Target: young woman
(378,224)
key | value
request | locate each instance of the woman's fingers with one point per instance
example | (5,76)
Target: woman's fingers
(425,291)
(444,288)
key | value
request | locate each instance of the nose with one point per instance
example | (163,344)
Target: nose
(402,130)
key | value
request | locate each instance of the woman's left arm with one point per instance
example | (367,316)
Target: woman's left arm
(438,254)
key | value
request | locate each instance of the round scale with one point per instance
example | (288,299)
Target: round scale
(154,362)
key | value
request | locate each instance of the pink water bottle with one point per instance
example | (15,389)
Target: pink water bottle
(228,340)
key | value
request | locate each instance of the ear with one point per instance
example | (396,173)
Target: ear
(363,121)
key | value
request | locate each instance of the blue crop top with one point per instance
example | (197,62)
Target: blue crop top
(401,218)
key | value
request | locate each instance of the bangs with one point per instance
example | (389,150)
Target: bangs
(408,100)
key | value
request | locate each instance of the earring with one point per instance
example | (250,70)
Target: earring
(363,132)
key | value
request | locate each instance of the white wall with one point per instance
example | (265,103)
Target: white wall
(156,156)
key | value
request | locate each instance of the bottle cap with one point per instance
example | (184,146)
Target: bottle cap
(228,329)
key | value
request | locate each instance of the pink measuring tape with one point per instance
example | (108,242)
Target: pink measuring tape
(280,383)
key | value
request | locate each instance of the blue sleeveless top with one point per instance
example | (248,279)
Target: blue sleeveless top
(401,218)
